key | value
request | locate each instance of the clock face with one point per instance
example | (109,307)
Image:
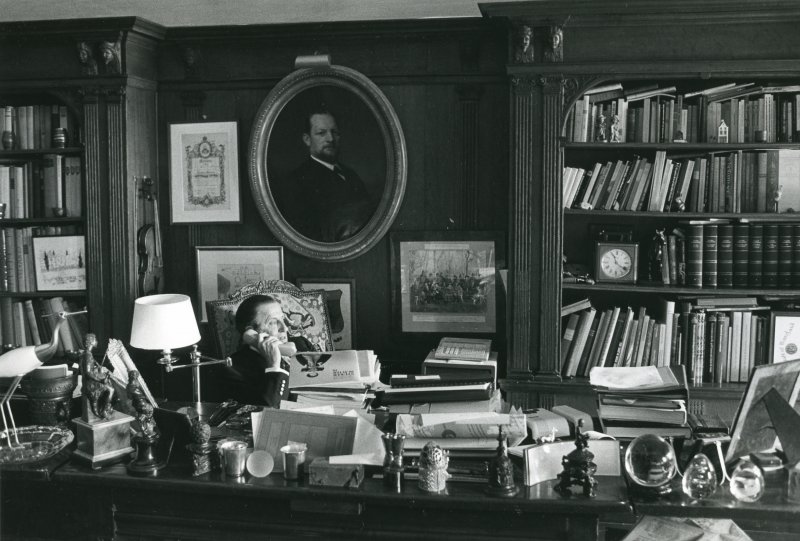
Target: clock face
(616,263)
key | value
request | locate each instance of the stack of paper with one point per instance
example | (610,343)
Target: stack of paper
(332,377)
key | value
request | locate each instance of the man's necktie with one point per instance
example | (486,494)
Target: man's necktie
(338,171)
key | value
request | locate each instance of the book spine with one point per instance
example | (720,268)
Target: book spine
(6,321)
(583,368)
(795,256)
(698,334)
(694,255)
(710,255)
(672,253)
(725,256)
(741,252)
(785,249)
(756,259)
(770,270)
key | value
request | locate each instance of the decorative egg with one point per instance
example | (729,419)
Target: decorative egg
(699,478)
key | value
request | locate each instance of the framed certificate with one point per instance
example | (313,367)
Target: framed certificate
(204,172)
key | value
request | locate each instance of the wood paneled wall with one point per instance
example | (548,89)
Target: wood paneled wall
(447,84)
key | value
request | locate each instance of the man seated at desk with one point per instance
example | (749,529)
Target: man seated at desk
(260,371)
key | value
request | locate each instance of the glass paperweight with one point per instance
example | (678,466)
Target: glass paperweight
(650,464)
(699,478)
(747,482)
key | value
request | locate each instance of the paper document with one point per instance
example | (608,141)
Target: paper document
(627,377)
(325,435)
(332,367)
(462,425)
(368,447)
(651,528)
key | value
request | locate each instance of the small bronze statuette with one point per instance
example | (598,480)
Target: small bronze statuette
(393,469)
(146,463)
(204,459)
(501,470)
(579,468)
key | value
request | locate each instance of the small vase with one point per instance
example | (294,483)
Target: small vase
(9,140)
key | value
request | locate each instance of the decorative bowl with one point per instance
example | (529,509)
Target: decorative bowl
(36,443)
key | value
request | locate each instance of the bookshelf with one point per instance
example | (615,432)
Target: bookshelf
(111,131)
(690,46)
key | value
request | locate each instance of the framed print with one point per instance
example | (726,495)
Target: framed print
(784,342)
(752,428)
(341,304)
(60,262)
(327,199)
(445,281)
(204,172)
(221,270)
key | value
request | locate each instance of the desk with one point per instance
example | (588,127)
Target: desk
(110,503)
(771,518)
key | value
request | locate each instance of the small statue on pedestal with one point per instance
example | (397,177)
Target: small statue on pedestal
(98,393)
(501,470)
(616,129)
(579,468)
(146,462)
(203,455)
(655,262)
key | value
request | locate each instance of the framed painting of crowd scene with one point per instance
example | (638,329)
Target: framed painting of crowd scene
(445,281)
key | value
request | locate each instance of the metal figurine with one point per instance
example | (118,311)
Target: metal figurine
(203,455)
(393,469)
(146,463)
(99,397)
(501,470)
(433,462)
(579,468)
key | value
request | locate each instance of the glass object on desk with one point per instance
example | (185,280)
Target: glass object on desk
(747,482)
(650,463)
(699,478)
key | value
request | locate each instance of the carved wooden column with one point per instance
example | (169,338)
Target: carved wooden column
(121,199)
(551,224)
(97,302)
(467,132)
(524,295)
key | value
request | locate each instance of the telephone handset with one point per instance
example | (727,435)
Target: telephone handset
(252,338)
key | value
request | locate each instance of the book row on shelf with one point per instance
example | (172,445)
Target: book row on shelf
(33,126)
(46,188)
(757,181)
(727,113)
(30,322)
(17,254)
(717,340)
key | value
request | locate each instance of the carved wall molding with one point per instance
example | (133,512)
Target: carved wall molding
(467,130)
(103,57)
(193,101)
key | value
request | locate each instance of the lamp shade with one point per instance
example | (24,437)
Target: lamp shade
(164,322)
(19,362)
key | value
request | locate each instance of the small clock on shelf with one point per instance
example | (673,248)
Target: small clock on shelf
(616,262)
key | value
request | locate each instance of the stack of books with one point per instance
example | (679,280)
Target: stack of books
(642,400)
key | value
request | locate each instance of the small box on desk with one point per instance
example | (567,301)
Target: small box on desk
(432,366)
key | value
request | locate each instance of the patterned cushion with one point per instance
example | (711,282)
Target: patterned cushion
(306,311)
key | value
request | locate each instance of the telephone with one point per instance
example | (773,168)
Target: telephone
(252,338)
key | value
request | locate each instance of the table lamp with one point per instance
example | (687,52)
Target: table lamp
(166,322)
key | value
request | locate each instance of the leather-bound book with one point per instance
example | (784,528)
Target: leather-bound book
(741,254)
(710,255)
(694,255)
(796,255)
(755,262)
(770,269)
(785,249)
(725,256)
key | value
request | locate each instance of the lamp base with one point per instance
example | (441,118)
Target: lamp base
(104,442)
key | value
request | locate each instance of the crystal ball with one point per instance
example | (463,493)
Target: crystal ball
(650,461)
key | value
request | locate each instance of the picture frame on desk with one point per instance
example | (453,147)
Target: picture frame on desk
(221,270)
(784,337)
(341,303)
(752,428)
(445,281)
(204,172)
(60,262)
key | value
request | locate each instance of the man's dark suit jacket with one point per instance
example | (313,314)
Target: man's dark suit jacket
(323,206)
(247,382)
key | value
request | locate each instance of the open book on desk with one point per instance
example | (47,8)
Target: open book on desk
(332,369)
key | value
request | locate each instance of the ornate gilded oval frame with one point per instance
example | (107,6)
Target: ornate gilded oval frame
(347,81)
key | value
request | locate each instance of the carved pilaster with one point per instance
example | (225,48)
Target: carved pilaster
(523,298)
(551,231)
(546,400)
(94,183)
(467,132)
(121,196)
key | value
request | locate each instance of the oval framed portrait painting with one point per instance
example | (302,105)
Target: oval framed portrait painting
(327,162)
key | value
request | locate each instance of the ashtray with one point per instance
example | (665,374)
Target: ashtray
(35,443)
